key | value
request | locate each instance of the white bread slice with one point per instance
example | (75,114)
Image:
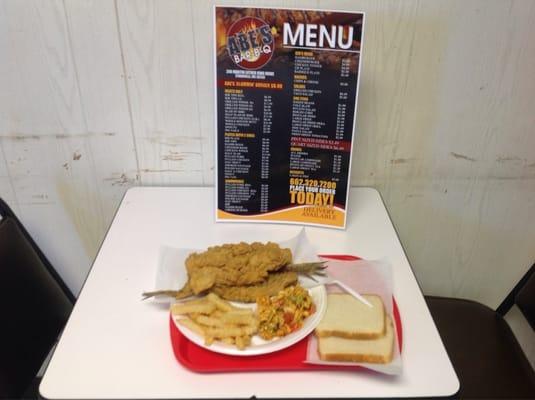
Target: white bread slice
(350,318)
(379,350)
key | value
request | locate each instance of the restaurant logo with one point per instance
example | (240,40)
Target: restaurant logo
(250,43)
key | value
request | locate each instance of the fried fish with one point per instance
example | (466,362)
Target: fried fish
(248,294)
(241,272)
(237,264)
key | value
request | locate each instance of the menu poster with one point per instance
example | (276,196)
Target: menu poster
(286,93)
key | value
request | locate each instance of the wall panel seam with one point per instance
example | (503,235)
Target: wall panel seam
(197,90)
(126,88)
(83,111)
(75,67)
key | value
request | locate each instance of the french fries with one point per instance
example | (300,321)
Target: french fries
(188,323)
(216,319)
(196,308)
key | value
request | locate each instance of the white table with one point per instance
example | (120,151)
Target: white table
(116,346)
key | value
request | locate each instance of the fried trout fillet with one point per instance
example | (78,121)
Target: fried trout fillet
(235,265)
(275,282)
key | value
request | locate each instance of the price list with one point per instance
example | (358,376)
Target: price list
(286,98)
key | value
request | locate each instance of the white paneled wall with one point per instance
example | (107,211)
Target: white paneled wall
(98,96)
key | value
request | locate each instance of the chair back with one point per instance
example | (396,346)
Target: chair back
(523,295)
(525,298)
(34,304)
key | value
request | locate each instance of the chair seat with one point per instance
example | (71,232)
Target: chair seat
(483,349)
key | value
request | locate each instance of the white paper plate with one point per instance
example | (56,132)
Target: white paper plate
(259,345)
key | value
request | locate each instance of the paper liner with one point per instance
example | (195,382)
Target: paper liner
(365,277)
(171,271)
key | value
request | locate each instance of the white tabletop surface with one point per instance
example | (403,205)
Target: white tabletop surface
(116,346)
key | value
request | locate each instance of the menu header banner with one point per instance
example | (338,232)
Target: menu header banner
(286,94)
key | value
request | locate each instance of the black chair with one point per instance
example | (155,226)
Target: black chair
(486,355)
(34,306)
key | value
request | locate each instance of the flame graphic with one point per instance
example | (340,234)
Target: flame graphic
(248,27)
(221,33)
(251,26)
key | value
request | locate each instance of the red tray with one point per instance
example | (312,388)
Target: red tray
(291,358)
